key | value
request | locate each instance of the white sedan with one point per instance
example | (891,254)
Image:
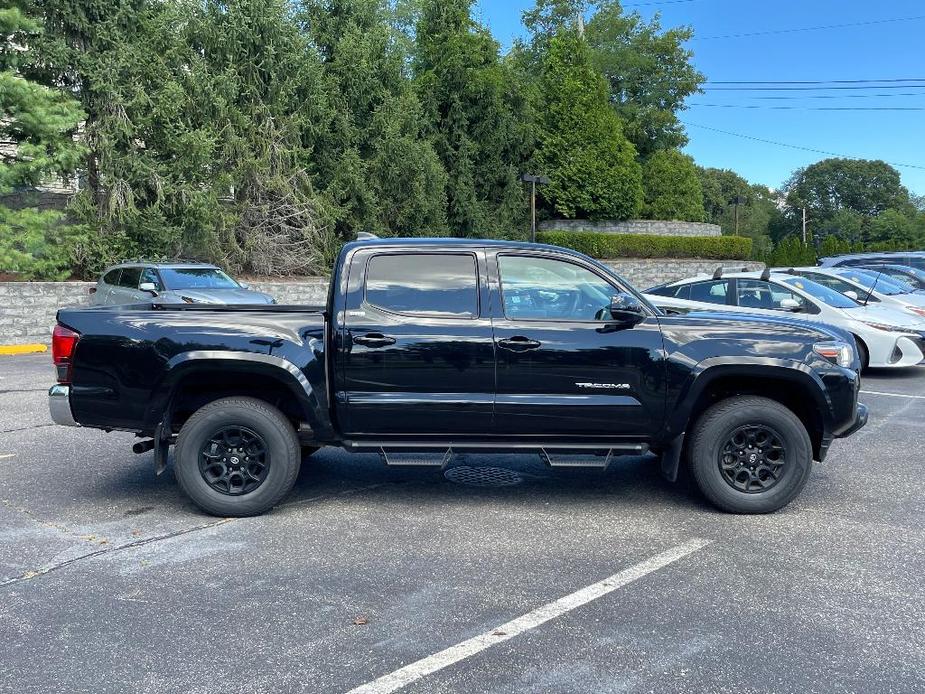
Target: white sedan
(866,286)
(885,337)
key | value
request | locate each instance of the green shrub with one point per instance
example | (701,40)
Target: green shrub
(599,245)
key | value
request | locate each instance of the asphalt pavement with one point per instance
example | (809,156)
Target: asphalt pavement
(111,581)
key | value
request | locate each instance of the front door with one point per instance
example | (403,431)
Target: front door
(416,352)
(564,367)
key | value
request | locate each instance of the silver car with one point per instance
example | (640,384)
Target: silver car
(172,283)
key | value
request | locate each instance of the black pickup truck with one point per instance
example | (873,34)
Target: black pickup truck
(441,346)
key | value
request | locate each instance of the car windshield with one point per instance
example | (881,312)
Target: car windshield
(885,285)
(196,278)
(824,294)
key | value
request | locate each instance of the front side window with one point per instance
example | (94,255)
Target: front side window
(149,274)
(536,288)
(424,284)
(129,278)
(769,296)
(711,292)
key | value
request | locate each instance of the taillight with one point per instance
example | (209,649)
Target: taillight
(63,341)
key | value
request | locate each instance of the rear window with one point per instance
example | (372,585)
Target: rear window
(424,284)
(130,277)
(112,277)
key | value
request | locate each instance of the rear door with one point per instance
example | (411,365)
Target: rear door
(105,287)
(416,352)
(126,292)
(564,368)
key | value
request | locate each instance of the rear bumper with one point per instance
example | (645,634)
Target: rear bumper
(59,405)
(860,420)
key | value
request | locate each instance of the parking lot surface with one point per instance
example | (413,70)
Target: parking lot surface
(110,581)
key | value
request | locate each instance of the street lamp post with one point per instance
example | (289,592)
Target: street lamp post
(533,180)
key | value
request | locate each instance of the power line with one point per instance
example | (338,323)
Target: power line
(836,96)
(843,87)
(814,108)
(816,28)
(660,2)
(789,146)
(892,79)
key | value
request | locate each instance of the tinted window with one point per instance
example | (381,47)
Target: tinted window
(766,295)
(712,292)
(424,284)
(546,289)
(837,284)
(884,285)
(150,275)
(197,278)
(112,277)
(682,291)
(130,277)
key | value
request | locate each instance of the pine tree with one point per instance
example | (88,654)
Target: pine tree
(592,167)
(37,129)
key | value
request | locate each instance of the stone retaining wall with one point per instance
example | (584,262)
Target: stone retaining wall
(634,226)
(27,309)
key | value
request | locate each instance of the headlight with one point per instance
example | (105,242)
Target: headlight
(886,327)
(838,353)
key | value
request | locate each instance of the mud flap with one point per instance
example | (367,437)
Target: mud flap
(162,440)
(671,458)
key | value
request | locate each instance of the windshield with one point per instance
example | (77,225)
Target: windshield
(197,278)
(885,285)
(817,291)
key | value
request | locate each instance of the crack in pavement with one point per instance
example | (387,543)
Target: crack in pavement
(34,426)
(28,575)
(107,550)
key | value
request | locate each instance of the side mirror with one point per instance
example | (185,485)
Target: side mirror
(244,285)
(790,305)
(626,308)
(149,287)
(853,295)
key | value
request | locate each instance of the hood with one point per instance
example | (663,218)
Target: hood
(236,295)
(820,331)
(877,313)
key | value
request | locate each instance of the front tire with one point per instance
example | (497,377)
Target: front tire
(237,457)
(750,455)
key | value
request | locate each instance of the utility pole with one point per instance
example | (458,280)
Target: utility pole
(804,226)
(738,200)
(533,180)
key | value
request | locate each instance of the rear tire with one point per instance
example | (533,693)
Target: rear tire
(750,454)
(237,457)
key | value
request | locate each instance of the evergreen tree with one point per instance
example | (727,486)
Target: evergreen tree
(477,115)
(378,168)
(37,127)
(672,189)
(591,165)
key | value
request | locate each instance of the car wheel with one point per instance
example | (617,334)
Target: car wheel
(237,457)
(863,353)
(750,454)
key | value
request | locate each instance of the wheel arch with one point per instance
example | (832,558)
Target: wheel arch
(194,379)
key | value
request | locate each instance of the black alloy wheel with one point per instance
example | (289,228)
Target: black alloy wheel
(752,459)
(234,460)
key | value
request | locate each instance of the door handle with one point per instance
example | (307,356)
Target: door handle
(519,343)
(374,340)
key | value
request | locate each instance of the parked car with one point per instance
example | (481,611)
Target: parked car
(914,259)
(869,288)
(914,277)
(447,345)
(885,337)
(171,283)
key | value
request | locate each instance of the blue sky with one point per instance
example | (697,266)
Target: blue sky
(887,50)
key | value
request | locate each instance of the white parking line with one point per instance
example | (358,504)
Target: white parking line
(893,395)
(4,456)
(426,666)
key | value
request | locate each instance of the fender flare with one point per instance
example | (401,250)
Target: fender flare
(199,361)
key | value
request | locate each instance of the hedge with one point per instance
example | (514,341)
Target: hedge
(606,246)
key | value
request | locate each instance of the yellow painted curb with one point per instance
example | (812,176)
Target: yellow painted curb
(22,349)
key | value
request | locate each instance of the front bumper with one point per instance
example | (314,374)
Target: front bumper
(59,405)
(860,420)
